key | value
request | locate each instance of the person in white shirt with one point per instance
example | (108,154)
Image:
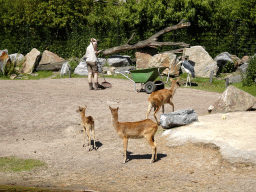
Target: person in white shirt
(92,66)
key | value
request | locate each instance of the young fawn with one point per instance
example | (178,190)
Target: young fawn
(161,97)
(135,130)
(88,125)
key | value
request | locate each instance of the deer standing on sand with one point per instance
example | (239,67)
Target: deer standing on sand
(88,125)
(135,130)
(161,97)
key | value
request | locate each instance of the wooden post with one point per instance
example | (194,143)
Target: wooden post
(211,77)
(227,82)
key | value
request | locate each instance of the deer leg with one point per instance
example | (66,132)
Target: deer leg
(93,132)
(125,141)
(155,151)
(163,108)
(89,138)
(150,106)
(156,110)
(84,135)
(152,143)
(171,103)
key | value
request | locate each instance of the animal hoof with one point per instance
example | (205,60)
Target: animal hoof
(83,145)
(125,161)
(152,161)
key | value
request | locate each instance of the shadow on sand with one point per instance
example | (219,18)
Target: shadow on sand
(132,156)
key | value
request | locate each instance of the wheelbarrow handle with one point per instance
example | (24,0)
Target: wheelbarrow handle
(128,72)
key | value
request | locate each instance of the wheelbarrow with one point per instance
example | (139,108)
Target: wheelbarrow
(147,78)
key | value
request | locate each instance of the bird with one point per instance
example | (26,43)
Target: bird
(189,69)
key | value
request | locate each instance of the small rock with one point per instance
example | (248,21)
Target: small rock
(13,76)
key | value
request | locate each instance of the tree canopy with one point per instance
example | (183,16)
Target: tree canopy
(66,26)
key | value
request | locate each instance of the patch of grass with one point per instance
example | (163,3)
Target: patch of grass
(41,75)
(14,164)
(201,83)
(4,77)
(217,85)
(249,89)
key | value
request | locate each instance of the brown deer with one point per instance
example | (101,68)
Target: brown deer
(88,125)
(161,97)
(135,130)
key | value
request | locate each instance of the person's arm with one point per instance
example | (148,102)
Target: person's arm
(97,52)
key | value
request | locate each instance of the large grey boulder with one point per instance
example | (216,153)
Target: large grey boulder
(101,62)
(204,63)
(32,59)
(178,118)
(81,68)
(233,99)
(235,78)
(225,56)
(166,59)
(17,58)
(222,59)
(65,68)
(119,61)
(243,68)
(50,62)
(17,61)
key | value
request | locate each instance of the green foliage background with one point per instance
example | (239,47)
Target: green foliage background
(66,26)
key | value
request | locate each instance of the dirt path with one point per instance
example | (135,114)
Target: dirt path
(39,121)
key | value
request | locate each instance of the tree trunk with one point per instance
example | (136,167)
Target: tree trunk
(150,42)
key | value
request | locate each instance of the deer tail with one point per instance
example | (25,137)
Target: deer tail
(90,119)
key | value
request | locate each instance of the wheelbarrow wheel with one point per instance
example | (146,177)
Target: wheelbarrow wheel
(150,87)
(159,85)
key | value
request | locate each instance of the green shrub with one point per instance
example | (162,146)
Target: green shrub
(250,73)
(229,68)
(73,62)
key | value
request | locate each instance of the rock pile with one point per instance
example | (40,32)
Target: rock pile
(204,65)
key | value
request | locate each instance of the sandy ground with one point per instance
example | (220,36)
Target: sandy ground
(39,121)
